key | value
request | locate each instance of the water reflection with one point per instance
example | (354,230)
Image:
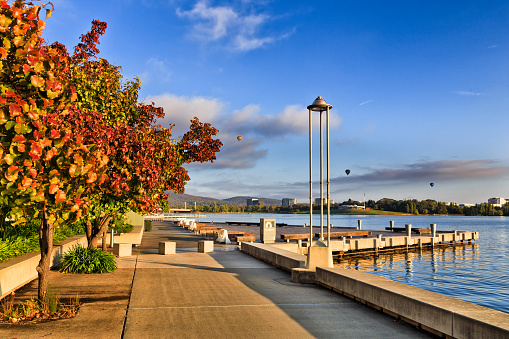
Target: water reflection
(394,259)
(450,270)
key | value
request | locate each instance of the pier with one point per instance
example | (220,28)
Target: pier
(348,240)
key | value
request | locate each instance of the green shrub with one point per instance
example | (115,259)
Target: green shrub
(21,239)
(148,225)
(120,226)
(80,259)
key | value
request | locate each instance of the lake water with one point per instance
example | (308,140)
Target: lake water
(472,272)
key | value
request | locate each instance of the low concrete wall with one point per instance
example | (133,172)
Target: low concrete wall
(434,312)
(274,255)
(135,219)
(134,237)
(18,271)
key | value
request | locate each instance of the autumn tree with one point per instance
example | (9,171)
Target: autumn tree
(47,167)
(145,161)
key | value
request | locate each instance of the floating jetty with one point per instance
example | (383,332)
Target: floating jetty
(384,242)
(349,240)
(173,217)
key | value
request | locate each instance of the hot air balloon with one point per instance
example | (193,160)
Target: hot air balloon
(432,184)
(347,171)
(239,138)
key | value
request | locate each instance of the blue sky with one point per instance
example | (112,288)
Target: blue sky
(419,90)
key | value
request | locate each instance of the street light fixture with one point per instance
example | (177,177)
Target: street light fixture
(319,105)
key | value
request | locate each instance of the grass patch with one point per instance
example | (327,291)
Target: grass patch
(366,212)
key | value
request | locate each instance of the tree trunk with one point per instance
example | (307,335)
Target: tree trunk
(46,245)
(88,231)
(100,226)
(104,248)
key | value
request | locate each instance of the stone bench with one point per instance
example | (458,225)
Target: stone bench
(122,250)
(167,247)
(205,246)
(288,237)
(204,230)
(245,238)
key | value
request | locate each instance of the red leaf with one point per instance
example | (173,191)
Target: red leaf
(14,109)
(54,134)
(53,188)
(19,138)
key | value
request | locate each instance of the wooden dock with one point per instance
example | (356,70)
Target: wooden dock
(390,242)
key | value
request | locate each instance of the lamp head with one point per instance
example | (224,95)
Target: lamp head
(319,105)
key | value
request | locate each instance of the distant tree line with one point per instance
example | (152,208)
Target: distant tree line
(430,206)
(413,206)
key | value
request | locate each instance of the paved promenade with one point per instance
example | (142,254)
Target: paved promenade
(225,294)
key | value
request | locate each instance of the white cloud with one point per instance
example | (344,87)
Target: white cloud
(468,93)
(294,119)
(443,171)
(365,102)
(156,70)
(240,31)
(249,122)
(179,110)
(236,154)
(243,43)
(215,21)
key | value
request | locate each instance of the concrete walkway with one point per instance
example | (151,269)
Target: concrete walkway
(228,294)
(225,294)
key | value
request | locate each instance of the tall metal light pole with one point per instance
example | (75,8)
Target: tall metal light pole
(319,105)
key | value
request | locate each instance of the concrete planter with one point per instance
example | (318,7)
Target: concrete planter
(19,271)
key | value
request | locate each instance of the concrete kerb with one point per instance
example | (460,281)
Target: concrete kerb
(431,311)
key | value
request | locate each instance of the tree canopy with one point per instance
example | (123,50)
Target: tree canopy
(76,143)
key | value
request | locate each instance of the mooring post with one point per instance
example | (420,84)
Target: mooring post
(408,230)
(359,224)
(391,223)
(433,230)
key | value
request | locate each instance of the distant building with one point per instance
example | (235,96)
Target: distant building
(350,207)
(317,201)
(497,202)
(287,202)
(253,202)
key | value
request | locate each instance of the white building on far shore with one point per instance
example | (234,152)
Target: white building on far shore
(498,202)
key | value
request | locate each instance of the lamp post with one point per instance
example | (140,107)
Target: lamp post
(319,105)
